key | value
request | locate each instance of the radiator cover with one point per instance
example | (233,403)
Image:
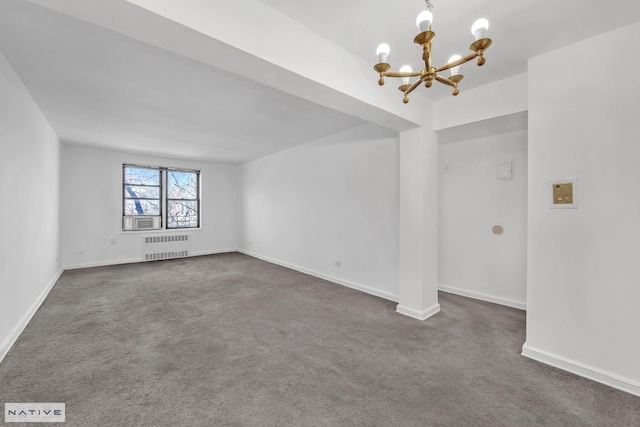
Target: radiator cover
(155,248)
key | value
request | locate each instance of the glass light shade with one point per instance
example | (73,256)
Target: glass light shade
(405,69)
(454,70)
(479,28)
(424,20)
(383,52)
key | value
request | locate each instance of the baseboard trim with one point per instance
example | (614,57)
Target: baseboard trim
(594,374)
(216,252)
(362,288)
(8,343)
(483,297)
(102,263)
(418,314)
(135,260)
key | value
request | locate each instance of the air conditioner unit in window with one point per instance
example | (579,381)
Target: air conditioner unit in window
(141,223)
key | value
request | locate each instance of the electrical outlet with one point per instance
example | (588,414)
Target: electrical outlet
(114,241)
(338,263)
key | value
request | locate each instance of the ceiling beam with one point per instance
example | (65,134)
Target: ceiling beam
(257,42)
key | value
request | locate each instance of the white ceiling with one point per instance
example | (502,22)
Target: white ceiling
(520,29)
(100,87)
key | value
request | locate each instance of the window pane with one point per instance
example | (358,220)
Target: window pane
(182,185)
(141,207)
(133,175)
(182,214)
(134,192)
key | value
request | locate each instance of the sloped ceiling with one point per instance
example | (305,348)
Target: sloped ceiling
(98,87)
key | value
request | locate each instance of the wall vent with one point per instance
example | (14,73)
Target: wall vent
(156,248)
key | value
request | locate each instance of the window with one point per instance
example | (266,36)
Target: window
(156,198)
(142,191)
(183,204)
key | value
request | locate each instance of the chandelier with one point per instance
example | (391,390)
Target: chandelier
(429,73)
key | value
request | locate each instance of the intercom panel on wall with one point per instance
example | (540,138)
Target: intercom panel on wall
(562,193)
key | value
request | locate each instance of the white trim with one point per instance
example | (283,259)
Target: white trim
(159,231)
(216,252)
(416,314)
(134,260)
(102,263)
(483,297)
(363,288)
(582,370)
(6,345)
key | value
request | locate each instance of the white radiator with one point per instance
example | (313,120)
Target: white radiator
(155,248)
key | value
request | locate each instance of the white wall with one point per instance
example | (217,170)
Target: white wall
(91,207)
(584,270)
(333,199)
(29,188)
(501,98)
(473,261)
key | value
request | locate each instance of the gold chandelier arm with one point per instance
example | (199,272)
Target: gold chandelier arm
(450,82)
(460,61)
(446,81)
(412,87)
(402,74)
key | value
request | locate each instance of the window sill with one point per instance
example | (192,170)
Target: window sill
(162,231)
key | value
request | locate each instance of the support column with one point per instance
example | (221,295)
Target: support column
(418,241)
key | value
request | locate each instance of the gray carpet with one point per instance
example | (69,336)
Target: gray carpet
(231,340)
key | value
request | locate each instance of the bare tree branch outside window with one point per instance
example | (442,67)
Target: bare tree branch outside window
(143,195)
(182,199)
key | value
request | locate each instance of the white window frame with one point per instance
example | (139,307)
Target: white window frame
(161,221)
